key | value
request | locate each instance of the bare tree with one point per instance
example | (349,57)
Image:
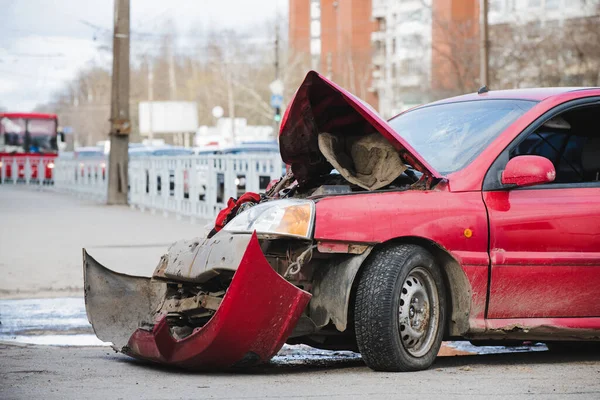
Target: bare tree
(532,53)
(224,68)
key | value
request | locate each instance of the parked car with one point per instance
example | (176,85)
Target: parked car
(88,152)
(145,151)
(252,148)
(473,218)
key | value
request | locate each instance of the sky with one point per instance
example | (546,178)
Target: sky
(44,43)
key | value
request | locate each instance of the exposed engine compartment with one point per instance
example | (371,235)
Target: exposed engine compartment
(369,161)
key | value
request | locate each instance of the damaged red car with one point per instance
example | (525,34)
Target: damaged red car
(472,218)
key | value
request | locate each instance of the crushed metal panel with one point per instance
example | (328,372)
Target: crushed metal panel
(118,304)
(332,289)
(199,260)
(257,314)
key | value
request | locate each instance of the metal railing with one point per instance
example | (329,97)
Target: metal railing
(86,177)
(192,186)
(198,186)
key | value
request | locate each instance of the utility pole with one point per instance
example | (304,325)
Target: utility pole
(277,47)
(172,77)
(484,62)
(150,99)
(231,103)
(277,116)
(120,126)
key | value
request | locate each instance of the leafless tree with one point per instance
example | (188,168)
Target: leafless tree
(532,53)
(227,68)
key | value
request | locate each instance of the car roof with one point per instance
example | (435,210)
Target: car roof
(533,94)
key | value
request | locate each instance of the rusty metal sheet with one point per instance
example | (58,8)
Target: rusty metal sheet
(118,304)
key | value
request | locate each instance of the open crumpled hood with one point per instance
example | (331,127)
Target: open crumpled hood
(320,105)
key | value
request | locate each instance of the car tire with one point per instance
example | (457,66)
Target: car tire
(400,309)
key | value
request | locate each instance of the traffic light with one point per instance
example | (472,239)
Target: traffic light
(277,116)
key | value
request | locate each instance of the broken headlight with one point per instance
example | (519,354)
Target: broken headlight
(288,217)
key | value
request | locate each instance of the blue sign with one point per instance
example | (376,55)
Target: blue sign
(276,100)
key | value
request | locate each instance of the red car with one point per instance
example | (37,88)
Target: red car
(472,218)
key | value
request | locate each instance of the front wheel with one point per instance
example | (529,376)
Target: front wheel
(400,309)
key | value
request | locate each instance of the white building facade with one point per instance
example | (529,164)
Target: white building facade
(402,43)
(546,13)
(401,53)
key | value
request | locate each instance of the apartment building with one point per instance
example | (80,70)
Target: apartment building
(550,13)
(335,37)
(416,51)
(401,53)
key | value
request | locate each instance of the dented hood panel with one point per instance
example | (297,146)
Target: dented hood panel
(320,105)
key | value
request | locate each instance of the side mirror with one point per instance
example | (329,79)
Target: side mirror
(528,171)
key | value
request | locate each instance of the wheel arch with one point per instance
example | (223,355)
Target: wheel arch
(458,288)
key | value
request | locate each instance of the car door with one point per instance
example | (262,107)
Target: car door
(545,239)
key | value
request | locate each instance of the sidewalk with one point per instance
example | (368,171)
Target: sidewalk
(42,234)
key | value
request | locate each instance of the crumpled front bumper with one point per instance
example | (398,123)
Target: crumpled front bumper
(255,317)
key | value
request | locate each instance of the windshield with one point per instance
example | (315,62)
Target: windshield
(29,135)
(449,136)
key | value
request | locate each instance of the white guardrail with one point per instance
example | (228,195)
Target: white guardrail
(194,186)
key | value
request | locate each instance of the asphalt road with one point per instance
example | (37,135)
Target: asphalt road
(42,234)
(33,372)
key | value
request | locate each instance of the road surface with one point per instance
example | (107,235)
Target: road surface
(98,373)
(43,233)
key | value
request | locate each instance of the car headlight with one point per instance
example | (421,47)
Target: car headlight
(288,217)
(51,165)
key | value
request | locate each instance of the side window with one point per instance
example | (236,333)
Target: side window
(571,141)
(541,143)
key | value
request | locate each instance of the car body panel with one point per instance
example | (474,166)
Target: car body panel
(545,252)
(256,316)
(456,222)
(551,329)
(535,94)
(437,215)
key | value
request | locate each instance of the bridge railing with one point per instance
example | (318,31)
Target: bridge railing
(195,186)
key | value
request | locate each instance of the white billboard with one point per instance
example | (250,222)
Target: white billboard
(168,117)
